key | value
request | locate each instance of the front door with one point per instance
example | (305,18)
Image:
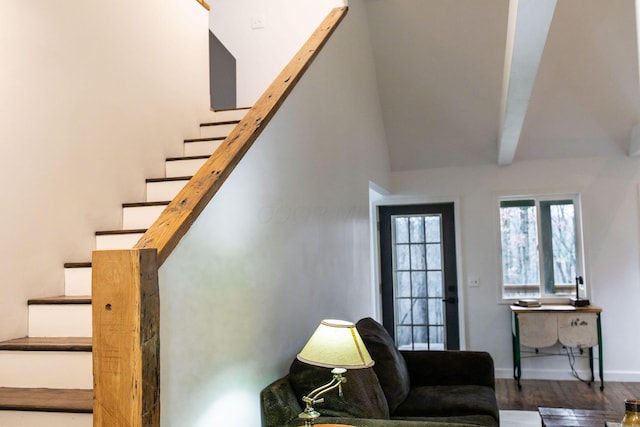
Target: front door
(419,276)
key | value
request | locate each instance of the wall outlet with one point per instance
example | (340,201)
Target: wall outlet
(474,282)
(257,21)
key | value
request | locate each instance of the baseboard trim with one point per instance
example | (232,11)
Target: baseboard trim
(565,375)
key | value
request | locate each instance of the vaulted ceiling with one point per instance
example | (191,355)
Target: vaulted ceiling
(461,81)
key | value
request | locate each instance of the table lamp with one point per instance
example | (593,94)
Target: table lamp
(335,344)
(577,301)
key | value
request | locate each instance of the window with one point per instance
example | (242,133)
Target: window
(540,243)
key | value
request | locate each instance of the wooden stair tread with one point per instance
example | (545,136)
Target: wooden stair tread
(177,178)
(173,159)
(229,109)
(77,264)
(226,122)
(47,344)
(211,138)
(64,299)
(46,400)
(111,232)
(144,204)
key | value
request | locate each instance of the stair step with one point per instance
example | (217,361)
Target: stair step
(215,129)
(159,189)
(25,418)
(77,278)
(202,146)
(46,362)
(63,299)
(46,369)
(77,264)
(230,114)
(184,166)
(118,239)
(141,215)
(44,419)
(48,344)
(46,400)
(66,316)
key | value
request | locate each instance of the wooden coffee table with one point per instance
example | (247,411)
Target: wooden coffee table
(562,417)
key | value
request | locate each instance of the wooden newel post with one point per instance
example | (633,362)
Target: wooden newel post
(126,340)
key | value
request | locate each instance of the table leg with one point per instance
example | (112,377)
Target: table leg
(600,360)
(593,378)
(517,368)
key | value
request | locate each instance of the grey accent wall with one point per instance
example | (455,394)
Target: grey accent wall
(222,75)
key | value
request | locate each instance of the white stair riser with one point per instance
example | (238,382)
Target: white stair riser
(77,281)
(117,241)
(140,216)
(201,148)
(60,320)
(228,115)
(44,419)
(164,190)
(177,168)
(216,130)
(46,369)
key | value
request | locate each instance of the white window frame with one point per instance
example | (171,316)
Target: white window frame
(580,267)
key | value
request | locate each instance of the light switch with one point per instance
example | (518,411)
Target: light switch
(474,282)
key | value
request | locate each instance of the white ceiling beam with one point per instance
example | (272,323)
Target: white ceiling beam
(527,31)
(503,150)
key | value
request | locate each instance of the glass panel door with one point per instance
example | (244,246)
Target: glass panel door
(419,280)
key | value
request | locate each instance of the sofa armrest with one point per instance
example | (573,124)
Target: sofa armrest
(450,368)
(278,404)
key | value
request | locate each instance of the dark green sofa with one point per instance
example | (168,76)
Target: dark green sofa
(412,389)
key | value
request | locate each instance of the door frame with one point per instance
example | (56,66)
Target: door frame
(395,200)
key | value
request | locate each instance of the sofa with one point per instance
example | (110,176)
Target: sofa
(403,388)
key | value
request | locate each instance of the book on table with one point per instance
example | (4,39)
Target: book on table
(528,302)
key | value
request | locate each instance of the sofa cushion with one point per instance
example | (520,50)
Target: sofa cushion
(390,366)
(450,367)
(449,400)
(362,395)
(466,420)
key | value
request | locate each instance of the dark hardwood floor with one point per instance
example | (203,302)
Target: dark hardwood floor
(565,394)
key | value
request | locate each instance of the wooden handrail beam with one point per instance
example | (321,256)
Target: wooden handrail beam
(177,218)
(204,4)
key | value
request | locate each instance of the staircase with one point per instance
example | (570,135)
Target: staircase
(46,379)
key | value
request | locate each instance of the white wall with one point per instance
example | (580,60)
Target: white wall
(609,191)
(262,53)
(93,97)
(284,244)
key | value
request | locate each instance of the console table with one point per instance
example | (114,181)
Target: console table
(544,326)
